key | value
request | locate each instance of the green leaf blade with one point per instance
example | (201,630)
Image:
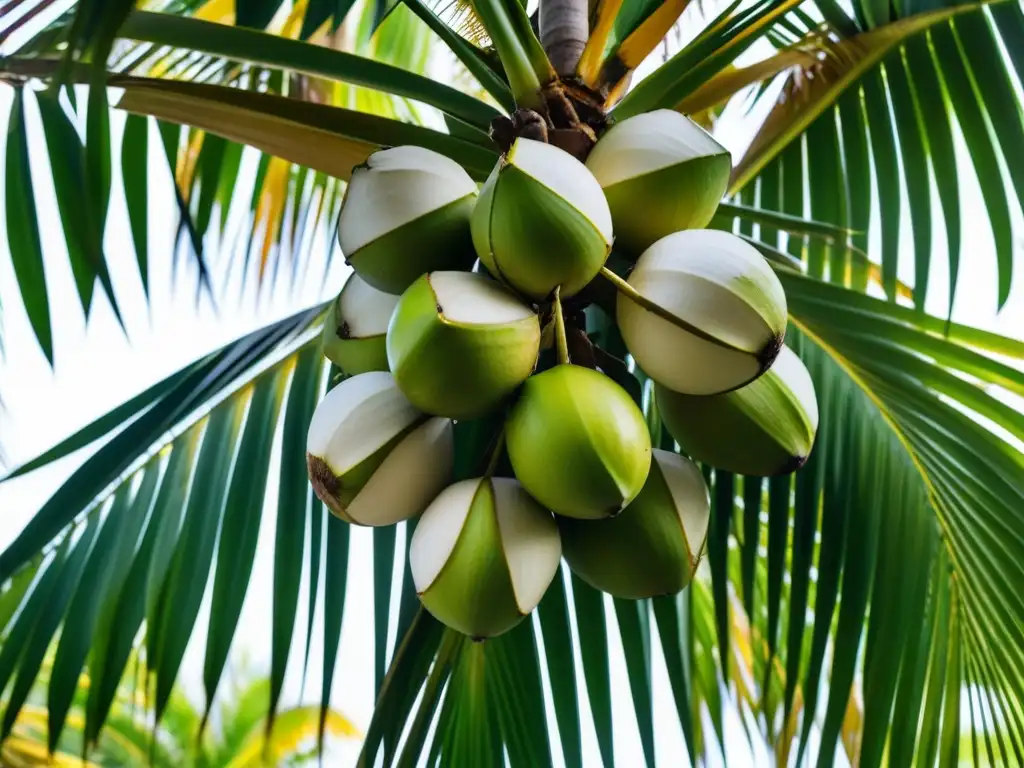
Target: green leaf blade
(979,144)
(335,583)
(240,525)
(294,499)
(23,228)
(134,162)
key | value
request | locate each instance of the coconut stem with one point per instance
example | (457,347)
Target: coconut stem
(635,296)
(560,338)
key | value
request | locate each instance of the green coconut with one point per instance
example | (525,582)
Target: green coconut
(483,555)
(374,458)
(356,327)
(661,173)
(653,547)
(731,304)
(578,443)
(542,221)
(765,428)
(406,212)
(459,343)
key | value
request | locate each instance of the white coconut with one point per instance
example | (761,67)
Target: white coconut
(542,221)
(483,554)
(409,478)
(471,299)
(718,285)
(356,326)
(762,429)
(397,186)
(373,458)
(661,173)
(648,143)
(365,310)
(459,344)
(564,175)
(357,418)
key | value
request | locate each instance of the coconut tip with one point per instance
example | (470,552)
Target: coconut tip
(770,352)
(325,483)
(791,466)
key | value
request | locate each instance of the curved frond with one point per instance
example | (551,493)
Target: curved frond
(358,69)
(892,95)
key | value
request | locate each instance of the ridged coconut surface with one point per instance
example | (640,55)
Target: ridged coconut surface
(653,547)
(578,443)
(725,291)
(765,428)
(483,555)
(459,343)
(661,173)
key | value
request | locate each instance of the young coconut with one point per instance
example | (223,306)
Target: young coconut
(654,546)
(765,428)
(542,221)
(460,343)
(727,310)
(356,327)
(578,443)
(372,457)
(483,555)
(405,212)
(661,173)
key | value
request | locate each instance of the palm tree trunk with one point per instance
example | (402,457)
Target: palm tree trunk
(564,28)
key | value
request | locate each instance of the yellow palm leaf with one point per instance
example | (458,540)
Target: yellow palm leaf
(20,752)
(291,728)
(221,11)
(804,98)
(732,79)
(590,61)
(853,727)
(292,24)
(272,199)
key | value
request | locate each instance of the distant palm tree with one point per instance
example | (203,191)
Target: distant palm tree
(873,601)
(238,738)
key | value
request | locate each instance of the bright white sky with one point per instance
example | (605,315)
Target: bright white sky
(97,368)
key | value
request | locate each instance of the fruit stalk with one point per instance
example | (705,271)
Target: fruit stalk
(561,342)
(630,292)
(492,463)
(521,54)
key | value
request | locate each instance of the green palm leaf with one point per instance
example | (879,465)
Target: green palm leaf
(936,67)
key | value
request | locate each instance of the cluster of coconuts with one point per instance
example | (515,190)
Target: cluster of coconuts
(426,341)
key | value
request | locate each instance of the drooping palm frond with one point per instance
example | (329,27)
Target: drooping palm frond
(289,206)
(878,115)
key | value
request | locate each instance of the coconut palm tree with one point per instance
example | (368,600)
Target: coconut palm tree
(868,605)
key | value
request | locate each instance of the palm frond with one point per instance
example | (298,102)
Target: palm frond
(939,72)
(292,207)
